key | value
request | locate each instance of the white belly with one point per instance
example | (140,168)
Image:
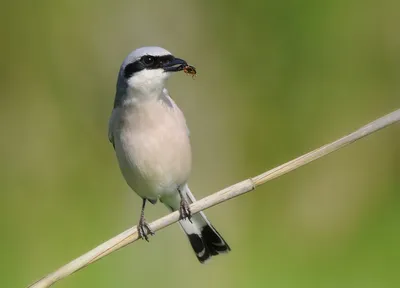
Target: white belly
(153,149)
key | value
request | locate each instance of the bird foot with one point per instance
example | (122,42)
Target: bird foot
(184,211)
(144,229)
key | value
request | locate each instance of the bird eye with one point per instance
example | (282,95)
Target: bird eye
(148,60)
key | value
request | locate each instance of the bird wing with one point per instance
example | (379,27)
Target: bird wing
(176,108)
(111,125)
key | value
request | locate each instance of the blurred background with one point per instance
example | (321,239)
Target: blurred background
(275,80)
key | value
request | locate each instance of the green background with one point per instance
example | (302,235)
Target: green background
(275,80)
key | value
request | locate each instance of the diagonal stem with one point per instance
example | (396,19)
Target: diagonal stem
(131,235)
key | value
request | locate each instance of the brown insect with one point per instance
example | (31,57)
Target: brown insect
(190,70)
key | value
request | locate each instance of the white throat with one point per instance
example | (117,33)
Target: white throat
(137,96)
(146,85)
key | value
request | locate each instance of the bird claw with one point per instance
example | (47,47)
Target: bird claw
(184,211)
(144,230)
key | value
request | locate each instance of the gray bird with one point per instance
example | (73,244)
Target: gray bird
(151,141)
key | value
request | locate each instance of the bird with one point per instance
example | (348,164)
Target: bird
(152,144)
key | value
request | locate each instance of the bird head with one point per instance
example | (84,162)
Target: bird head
(146,69)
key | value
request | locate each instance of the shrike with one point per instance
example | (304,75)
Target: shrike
(151,141)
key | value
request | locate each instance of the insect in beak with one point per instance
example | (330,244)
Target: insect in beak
(190,70)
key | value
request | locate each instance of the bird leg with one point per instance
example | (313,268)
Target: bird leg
(184,209)
(143,228)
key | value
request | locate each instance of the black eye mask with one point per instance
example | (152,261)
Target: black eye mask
(168,62)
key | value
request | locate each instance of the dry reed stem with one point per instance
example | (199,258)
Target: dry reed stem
(235,190)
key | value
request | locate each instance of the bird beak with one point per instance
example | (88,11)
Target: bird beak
(175,65)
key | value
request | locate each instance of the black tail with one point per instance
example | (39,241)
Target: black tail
(203,237)
(209,243)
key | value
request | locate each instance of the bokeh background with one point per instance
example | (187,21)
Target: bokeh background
(275,80)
